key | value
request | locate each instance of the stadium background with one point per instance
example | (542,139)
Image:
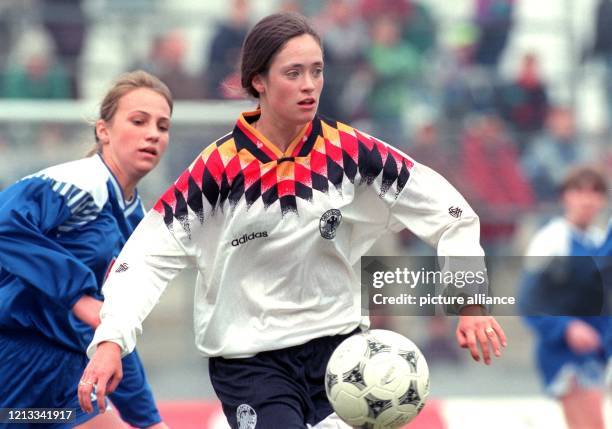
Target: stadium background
(500,96)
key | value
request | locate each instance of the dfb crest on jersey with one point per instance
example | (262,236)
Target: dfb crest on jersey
(246,417)
(329,223)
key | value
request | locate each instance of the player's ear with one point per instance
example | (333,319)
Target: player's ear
(258,83)
(102,131)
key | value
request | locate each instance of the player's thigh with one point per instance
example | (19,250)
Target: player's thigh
(256,394)
(320,409)
(584,408)
(276,406)
(265,415)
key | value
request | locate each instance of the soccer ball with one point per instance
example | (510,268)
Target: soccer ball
(377,380)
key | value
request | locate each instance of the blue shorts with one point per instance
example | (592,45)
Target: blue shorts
(37,373)
(561,368)
(276,389)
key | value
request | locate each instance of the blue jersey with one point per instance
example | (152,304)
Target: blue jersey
(561,247)
(60,231)
(606,269)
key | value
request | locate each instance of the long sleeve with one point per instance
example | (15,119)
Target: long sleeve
(150,259)
(32,213)
(437,213)
(549,327)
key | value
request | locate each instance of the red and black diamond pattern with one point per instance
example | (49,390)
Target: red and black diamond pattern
(239,166)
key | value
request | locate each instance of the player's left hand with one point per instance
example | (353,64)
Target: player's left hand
(475,329)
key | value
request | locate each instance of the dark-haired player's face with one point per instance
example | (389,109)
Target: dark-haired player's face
(291,88)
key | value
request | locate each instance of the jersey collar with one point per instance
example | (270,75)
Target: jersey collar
(249,138)
(127,206)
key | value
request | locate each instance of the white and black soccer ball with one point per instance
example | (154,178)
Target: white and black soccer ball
(377,380)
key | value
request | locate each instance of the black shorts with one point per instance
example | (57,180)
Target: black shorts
(279,389)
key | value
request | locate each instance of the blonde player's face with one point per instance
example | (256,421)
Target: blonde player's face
(291,88)
(137,136)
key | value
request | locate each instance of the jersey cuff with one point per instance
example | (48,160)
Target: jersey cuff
(106,333)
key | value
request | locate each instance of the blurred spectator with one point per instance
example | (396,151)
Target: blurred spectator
(416,23)
(345,39)
(492,180)
(427,148)
(524,103)
(602,47)
(6,40)
(393,64)
(296,6)
(166,61)
(454,78)
(439,343)
(466,89)
(372,10)
(549,156)
(66,24)
(419,28)
(225,50)
(494,20)
(16,17)
(34,72)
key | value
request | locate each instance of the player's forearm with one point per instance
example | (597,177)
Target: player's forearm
(148,262)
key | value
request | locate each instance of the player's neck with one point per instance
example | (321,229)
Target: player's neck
(279,134)
(126,183)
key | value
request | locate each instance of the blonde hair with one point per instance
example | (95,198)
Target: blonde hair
(124,84)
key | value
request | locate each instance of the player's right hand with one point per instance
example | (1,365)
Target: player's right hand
(475,329)
(87,309)
(101,376)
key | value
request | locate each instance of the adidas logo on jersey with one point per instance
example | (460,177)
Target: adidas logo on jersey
(249,237)
(122,267)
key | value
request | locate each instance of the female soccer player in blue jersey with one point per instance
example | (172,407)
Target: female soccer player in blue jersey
(274,215)
(606,268)
(562,301)
(60,231)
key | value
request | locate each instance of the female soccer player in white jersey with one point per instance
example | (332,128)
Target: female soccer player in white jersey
(60,231)
(273,215)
